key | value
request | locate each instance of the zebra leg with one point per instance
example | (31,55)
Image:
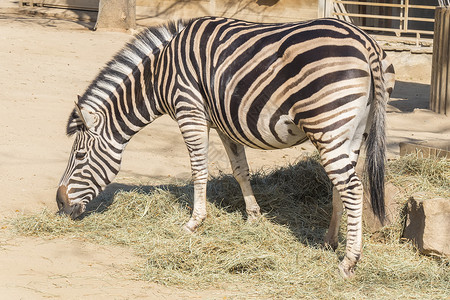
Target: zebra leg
(352,197)
(331,238)
(351,192)
(238,160)
(340,164)
(196,139)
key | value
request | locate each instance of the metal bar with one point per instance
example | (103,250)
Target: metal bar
(406,14)
(368,3)
(429,32)
(403,17)
(384,17)
(380,29)
(421,19)
(402,23)
(433,7)
(368,16)
(385,4)
(421,31)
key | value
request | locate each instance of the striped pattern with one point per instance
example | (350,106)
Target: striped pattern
(117,104)
(266,86)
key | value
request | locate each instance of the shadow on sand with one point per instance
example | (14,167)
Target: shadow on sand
(297,196)
(408,96)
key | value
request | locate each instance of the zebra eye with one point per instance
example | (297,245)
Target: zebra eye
(80,155)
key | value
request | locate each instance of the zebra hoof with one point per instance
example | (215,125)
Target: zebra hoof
(346,272)
(186,229)
(253,217)
(253,213)
(191,226)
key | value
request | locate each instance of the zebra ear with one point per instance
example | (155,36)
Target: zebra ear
(89,119)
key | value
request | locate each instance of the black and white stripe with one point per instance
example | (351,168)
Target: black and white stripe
(266,86)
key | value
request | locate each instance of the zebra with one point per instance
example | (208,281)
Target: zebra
(265,86)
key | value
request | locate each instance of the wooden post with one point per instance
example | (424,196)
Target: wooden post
(440,70)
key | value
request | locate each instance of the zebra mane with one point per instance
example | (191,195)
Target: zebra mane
(144,44)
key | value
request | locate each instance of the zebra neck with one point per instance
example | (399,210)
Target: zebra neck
(123,92)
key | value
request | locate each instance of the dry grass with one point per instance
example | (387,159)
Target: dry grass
(425,175)
(278,257)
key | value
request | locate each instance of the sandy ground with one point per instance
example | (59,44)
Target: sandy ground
(44,64)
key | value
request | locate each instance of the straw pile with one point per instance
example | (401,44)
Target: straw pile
(279,256)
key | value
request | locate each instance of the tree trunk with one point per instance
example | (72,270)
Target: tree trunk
(116,15)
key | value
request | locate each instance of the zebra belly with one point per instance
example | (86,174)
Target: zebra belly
(282,134)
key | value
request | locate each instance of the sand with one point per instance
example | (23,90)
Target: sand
(44,65)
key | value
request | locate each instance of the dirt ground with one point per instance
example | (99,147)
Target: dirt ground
(44,64)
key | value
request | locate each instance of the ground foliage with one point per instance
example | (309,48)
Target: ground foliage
(278,256)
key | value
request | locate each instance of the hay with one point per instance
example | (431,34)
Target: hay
(277,257)
(425,175)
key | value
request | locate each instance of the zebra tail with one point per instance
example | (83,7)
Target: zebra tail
(376,145)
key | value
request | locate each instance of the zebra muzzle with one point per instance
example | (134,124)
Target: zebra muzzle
(64,205)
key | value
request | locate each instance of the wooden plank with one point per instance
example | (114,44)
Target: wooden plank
(434,63)
(443,60)
(445,101)
(425,150)
(436,50)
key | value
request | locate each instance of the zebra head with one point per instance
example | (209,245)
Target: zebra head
(93,163)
